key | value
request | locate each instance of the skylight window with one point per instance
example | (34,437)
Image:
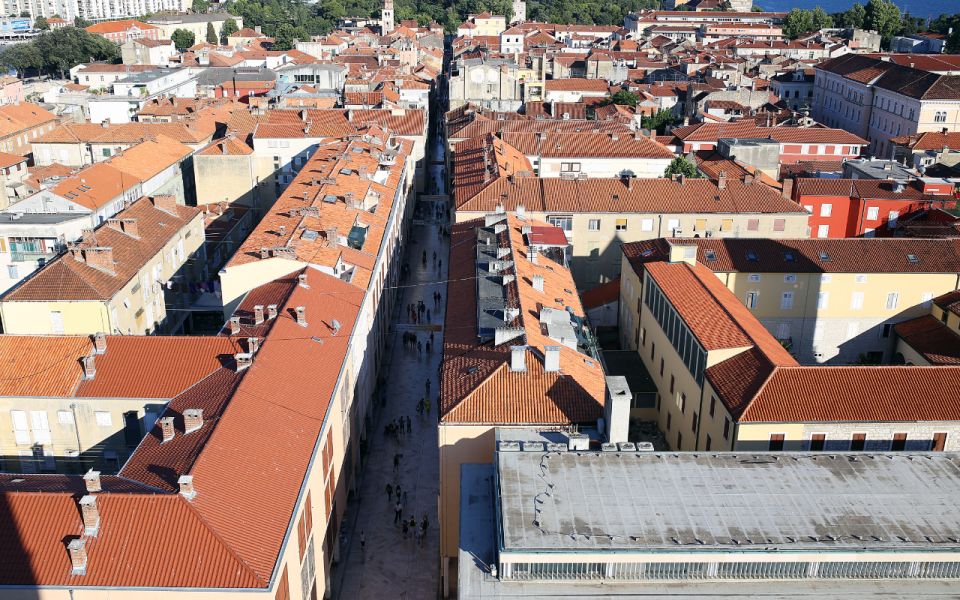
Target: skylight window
(913,258)
(789,257)
(711,255)
(752,256)
(824,256)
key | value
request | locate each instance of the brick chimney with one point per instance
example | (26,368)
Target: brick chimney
(99,342)
(264,253)
(301,316)
(722,180)
(234,325)
(258,314)
(302,280)
(167,203)
(185,482)
(333,237)
(271,311)
(92,481)
(192,419)
(518,356)
(166,428)
(125,226)
(253,345)
(90,515)
(77,548)
(89,367)
(100,257)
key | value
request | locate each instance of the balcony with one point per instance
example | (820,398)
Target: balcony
(20,257)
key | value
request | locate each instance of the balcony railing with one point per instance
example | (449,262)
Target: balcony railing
(19,257)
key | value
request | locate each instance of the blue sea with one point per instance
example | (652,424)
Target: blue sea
(926,8)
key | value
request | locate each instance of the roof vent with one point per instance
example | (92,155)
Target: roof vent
(271,311)
(301,316)
(234,325)
(257,314)
(166,429)
(533,446)
(193,419)
(89,367)
(185,482)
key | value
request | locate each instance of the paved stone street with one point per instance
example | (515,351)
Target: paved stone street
(394,567)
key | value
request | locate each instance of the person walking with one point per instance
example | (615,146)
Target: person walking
(363,545)
(396,462)
(426,405)
(398,494)
(397,512)
(389,492)
(419,349)
(420,407)
(409,426)
(424,525)
(427,384)
(404,525)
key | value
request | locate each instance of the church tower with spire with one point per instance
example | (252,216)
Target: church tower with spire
(386,17)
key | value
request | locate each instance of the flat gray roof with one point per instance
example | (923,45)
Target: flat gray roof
(692,502)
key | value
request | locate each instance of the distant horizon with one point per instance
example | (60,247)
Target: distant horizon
(930,9)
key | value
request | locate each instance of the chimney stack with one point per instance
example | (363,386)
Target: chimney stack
(721,180)
(264,253)
(166,428)
(301,316)
(99,342)
(167,203)
(253,344)
(192,419)
(518,357)
(92,481)
(271,311)
(186,487)
(101,258)
(77,548)
(244,360)
(90,515)
(551,359)
(538,282)
(258,314)
(234,325)
(89,367)
(333,237)
(282,230)
(302,280)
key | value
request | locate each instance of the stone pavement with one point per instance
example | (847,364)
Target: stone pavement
(391,566)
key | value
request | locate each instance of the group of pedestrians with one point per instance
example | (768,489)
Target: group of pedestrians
(397,497)
(398,429)
(417,311)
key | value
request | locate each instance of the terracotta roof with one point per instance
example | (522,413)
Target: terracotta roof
(588,145)
(936,342)
(15,118)
(930,140)
(862,394)
(577,84)
(616,196)
(710,132)
(150,157)
(921,85)
(8,160)
(192,132)
(477,385)
(297,225)
(949,302)
(850,255)
(70,277)
(96,185)
(119,26)
(605,293)
(859,188)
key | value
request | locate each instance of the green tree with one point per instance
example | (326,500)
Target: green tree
(681,166)
(211,34)
(852,18)
(41,23)
(81,23)
(821,20)
(65,48)
(182,39)
(953,42)
(797,22)
(623,97)
(200,6)
(883,17)
(21,57)
(24,14)
(658,121)
(287,36)
(229,26)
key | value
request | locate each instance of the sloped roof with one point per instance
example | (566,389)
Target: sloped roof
(932,339)
(69,278)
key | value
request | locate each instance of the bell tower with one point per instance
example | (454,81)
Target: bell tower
(386,17)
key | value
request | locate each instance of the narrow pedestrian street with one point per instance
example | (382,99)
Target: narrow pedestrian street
(391,565)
